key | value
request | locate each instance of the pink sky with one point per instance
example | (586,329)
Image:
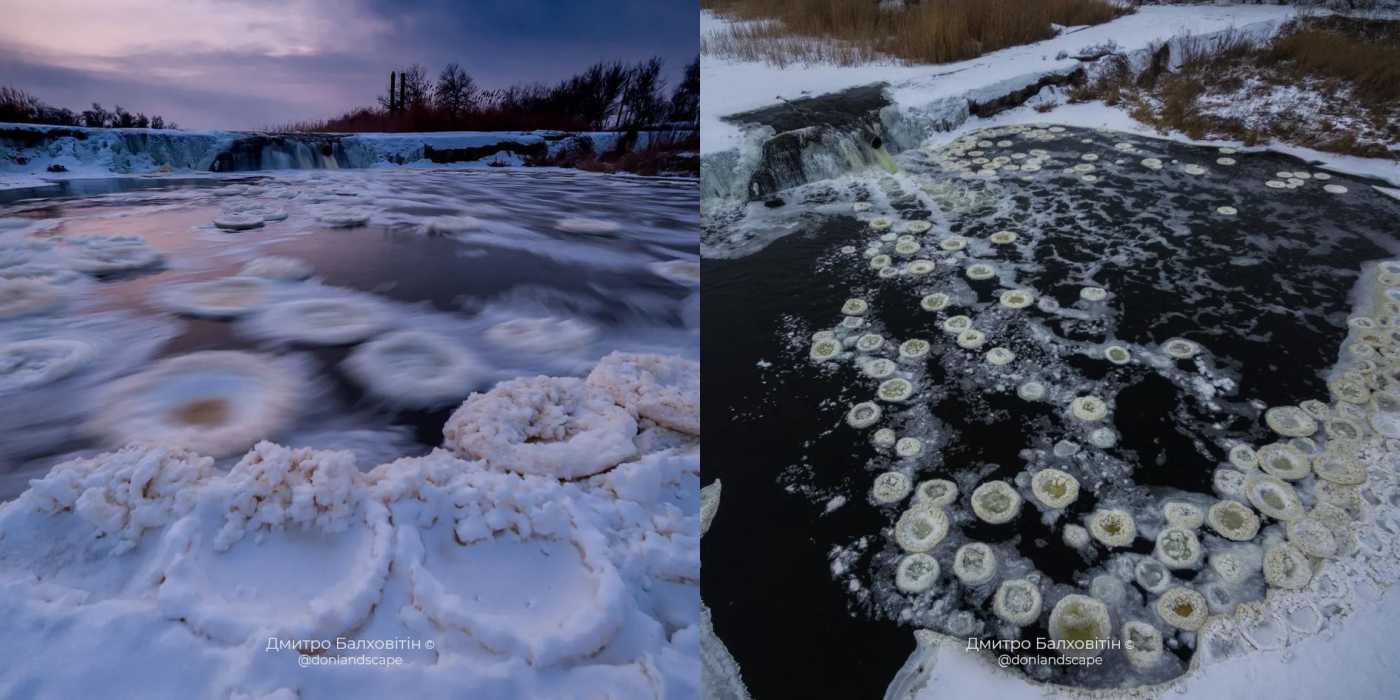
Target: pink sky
(252,63)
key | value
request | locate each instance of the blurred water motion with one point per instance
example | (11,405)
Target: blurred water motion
(494,261)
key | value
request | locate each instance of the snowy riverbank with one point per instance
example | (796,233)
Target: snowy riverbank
(743,86)
(928,106)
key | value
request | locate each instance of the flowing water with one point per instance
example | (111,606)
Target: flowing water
(529,271)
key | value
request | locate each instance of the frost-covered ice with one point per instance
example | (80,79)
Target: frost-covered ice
(229,297)
(26,363)
(559,427)
(25,297)
(664,390)
(277,267)
(542,335)
(110,254)
(578,224)
(589,583)
(30,151)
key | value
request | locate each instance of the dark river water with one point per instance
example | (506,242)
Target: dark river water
(799,561)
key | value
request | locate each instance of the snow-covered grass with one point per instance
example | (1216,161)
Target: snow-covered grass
(1328,83)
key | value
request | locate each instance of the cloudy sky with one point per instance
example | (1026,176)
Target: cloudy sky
(256,63)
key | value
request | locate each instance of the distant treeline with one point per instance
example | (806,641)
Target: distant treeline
(19,106)
(606,96)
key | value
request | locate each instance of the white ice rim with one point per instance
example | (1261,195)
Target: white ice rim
(516,427)
(344,605)
(132,413)
(288,321)
(238,221)
(455,375)
(66,357)
(576,636)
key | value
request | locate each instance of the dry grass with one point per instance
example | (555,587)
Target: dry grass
(1364,54)
(1342,74)
(849,32)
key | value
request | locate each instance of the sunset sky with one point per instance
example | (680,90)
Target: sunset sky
(257,63)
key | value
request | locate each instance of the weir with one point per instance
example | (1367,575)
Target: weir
(822,137)
(31,147)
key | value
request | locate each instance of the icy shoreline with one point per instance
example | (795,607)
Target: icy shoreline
(295,574)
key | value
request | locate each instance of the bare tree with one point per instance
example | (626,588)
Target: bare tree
(122,119)
(455,93)
(96,117)
(641,98)
(685,101)
(414,87)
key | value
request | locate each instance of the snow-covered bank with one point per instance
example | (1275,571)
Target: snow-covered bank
(738,151)
(742,86)
(146,572)
(1311,668)
(30,152)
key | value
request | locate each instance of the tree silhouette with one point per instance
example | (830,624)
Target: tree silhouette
(455,92)
(685,101)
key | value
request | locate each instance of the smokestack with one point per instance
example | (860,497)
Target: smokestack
(392,74)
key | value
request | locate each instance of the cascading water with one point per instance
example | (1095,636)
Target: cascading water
(32,147)
(814,139)
(282,152)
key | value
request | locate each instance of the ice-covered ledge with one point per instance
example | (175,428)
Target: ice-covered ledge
(34,153)
(921,99)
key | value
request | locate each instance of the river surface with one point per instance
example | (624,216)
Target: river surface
(800,560)
(576,265)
